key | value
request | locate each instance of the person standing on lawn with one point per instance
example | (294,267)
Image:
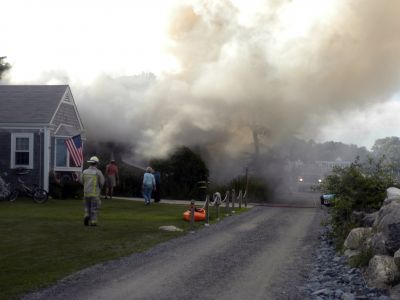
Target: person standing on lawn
(149,184)
(93,181)
(112,178)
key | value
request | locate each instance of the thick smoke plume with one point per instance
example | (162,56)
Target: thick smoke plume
(254,76)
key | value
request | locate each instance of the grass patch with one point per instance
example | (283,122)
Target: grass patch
(41,244)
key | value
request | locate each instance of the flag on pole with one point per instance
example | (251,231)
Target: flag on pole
(74,146)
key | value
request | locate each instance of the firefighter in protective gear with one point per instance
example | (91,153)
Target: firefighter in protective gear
(93,181)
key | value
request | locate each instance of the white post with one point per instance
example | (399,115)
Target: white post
(227,197)
(207,206)
(46,158)
(192,211)
(233,201)
(217,203)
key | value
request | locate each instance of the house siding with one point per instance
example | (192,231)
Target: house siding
(45,111)
(36,175)
(52,152)
(5,150)
(66,114)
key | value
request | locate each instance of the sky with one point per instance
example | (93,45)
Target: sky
(84,38)
(322,70)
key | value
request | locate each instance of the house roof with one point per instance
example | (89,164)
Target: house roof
(66,130)
(29,103)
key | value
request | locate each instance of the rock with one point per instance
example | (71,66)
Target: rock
(356,217)
(348,296)
(369,219)
(377,244)
(170,228)
(331,277)
(388,222)
(356,238)
(395,292)
(392,233)
(382,271)
(351,253)
(321,291)
(392,194)
(336,259)
(386,201)
(397,258)
(338,293)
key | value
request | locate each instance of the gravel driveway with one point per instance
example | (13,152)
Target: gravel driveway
(262,254)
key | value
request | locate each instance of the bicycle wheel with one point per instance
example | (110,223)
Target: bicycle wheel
(13,195)
(40,195)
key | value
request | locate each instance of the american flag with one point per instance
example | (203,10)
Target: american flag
(74,146)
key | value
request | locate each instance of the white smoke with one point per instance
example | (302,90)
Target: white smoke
(243,70)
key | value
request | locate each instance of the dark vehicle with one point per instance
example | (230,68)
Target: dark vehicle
(309,183)
(35,192)
(327,199)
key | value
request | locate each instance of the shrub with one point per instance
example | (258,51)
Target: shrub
(357,187)
(181,172)
(65,185)
(362,259)
(258,189)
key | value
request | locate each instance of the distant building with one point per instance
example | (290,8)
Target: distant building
(34,122)
(310,175)
(327,166)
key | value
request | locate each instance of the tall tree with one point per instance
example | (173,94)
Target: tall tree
(4,66)
(389,149)
(181,173)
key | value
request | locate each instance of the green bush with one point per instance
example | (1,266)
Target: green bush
(362,259)
(360,187)
(181,172)
(64,185)
(257,188)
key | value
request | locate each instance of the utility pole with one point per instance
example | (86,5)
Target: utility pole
(258,131)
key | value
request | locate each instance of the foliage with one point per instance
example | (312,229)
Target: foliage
(295,149)
(130,177)
(257,189)
(181,173)
(72,189)
(359,187)
(130,181)
(389,149)
(362,259)
(4,66)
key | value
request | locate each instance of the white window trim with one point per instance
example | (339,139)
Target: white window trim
(62,168)
(14,136)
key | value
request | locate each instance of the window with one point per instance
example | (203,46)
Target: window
(22,150)
(62,156)
(61,153)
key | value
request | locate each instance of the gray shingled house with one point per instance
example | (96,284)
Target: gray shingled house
(34,122)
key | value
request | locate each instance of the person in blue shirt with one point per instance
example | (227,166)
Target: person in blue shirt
(149,185)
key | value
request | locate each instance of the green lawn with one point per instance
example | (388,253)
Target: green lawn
(41,243)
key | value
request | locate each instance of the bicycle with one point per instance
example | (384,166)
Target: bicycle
(35,192)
